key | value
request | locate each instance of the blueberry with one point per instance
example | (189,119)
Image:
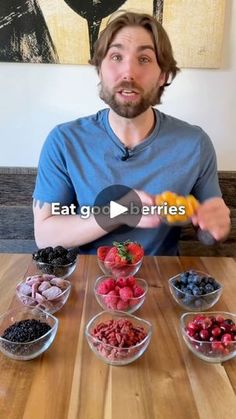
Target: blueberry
(183,278)
(192,272)
(198,303)
(229,321)
(208,288)
(196,279)
(196,291)
(178,294)
(188,299)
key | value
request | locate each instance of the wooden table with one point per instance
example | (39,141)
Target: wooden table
(168,381)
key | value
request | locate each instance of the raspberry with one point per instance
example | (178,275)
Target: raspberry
(110,283)
(126,293)
(122,305)
(117,290)
(138,291)
(102,288)
(111,300)
(133,302)
(131,281)
(121,282)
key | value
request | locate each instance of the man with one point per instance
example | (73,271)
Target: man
(134,61)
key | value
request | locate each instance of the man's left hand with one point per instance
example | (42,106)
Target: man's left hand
(214,216)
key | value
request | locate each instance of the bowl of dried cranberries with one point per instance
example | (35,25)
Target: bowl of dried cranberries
(210,336)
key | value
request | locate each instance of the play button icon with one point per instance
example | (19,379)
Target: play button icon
(117,209)
(120,209)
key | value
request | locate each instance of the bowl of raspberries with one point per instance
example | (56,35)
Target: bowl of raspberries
(195,290)
(118,338)
(56,261)
(120,260)
(122,294)
(210,336)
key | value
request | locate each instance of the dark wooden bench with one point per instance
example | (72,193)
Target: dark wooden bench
(16,216)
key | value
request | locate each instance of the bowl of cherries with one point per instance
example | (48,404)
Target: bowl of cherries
(210,336)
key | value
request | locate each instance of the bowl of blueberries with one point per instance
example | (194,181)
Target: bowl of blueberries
(195,290)
(57,261)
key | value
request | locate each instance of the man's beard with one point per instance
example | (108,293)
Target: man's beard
(133,108)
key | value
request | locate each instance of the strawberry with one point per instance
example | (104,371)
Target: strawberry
(135,251)
(102,252)
(117,256)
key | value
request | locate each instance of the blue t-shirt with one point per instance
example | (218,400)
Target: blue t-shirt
(81,158)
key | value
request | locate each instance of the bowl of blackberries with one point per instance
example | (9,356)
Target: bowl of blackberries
(210,336)
(26,333)
(56,261)
(195,290)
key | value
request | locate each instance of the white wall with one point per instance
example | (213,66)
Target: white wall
(35,97)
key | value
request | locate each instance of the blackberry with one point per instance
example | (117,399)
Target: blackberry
(71,255)
(50,256)
(35,256)
(58,261)
(59,251)
(48,250)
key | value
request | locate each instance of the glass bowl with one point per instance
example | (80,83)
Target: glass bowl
(218,349)
(112,302)
(108,268)
(29,350)
(194,302)
(39,300)
(112,353)
(61,271)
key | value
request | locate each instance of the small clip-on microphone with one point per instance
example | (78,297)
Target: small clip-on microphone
(127,155)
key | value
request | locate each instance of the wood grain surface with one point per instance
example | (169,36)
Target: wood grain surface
(168,381)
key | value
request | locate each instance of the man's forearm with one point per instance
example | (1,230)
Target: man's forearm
(68,231)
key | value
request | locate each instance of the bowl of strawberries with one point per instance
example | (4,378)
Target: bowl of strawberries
(120,294)
(123,259)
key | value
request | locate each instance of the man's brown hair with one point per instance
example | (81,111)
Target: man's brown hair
(163,48)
